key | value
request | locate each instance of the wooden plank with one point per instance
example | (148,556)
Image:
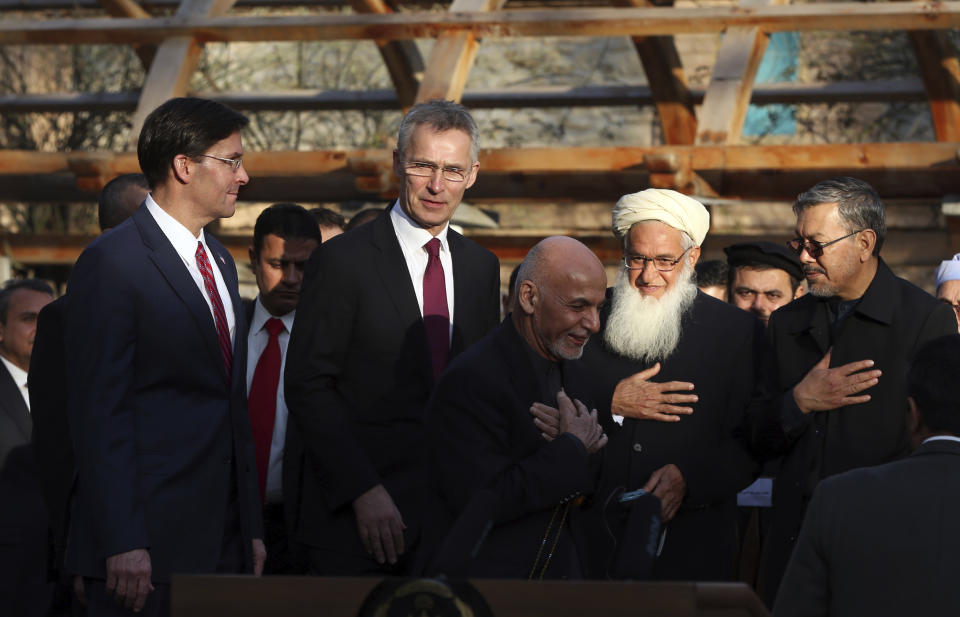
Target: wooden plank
(508,23)
(130,8)
(901,90)
(731,82)
(818,158)
(402,58)
(903,247)
(452,56)
(174,63)
(940,70)
(668,83)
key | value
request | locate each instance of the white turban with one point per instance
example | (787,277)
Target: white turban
(669,207)
(948,270)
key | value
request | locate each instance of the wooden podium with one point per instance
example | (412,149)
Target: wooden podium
(246,596)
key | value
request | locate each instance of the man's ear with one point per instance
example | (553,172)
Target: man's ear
(527,296)
(472,177)
(866,241)
(253,258)
(397,164)
(694,254)
(183,168)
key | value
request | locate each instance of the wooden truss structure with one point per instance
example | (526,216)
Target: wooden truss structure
(702,153)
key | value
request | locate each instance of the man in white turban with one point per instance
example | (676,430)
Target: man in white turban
(948,284)
(679,436)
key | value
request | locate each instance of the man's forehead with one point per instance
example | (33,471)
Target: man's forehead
(27,300)
(823,216)
(655,233)
(425,137)
(749,276)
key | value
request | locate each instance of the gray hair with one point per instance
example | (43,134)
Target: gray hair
(441,116)
(858,205)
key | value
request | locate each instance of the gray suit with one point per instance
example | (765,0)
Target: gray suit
(881,541)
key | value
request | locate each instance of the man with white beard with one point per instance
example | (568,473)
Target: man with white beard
(677,369)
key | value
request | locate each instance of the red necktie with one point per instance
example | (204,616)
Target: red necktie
(219,315)
(436,315)
(263,399)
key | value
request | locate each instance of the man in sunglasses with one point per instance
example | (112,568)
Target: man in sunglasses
(675,367)
(383,310)
(839,356)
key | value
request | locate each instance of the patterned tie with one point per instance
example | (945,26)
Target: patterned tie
(219,315)
(263,399)
(436,315)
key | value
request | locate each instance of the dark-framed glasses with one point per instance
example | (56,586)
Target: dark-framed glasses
(235,163)
(812,247)
(663,264)
(423,169)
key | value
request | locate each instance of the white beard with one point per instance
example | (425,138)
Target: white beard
(647,329)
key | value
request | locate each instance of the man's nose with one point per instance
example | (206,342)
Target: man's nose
(436,183)
(592,320)
(242,176)
(292,274)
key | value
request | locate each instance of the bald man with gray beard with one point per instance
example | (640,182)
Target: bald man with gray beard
(677,370)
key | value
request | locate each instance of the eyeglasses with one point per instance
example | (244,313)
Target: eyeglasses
(663,264)
(235,163)
(812,247)
(422,169)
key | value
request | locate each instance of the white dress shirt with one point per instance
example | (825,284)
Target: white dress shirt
(256,342)
(412,237)
(19,377)
(185,244)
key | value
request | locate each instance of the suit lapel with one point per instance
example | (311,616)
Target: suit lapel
(392,267)
(222,257)
(461,290)
(12,402)
(175,272)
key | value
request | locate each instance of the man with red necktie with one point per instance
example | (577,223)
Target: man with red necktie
(155,342)
(284,236)
(384,308)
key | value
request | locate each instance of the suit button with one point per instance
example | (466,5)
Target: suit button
(637,448)
(227,460)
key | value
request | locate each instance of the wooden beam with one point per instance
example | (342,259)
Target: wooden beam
(509,23)
(668,83)
(453,55)
(903,247)
(731,82)
(130,8)
(402,58)
(174,63)
(940,69)
(897,170)
(905,90)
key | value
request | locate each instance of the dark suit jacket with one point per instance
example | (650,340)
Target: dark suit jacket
(888,325)
(161,432)
(52,446)
(718,353)
(483,442)
(881,541)
(23,517)
(358,373)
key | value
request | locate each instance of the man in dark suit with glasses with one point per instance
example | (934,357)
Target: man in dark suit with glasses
(838,357)
(384,308)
